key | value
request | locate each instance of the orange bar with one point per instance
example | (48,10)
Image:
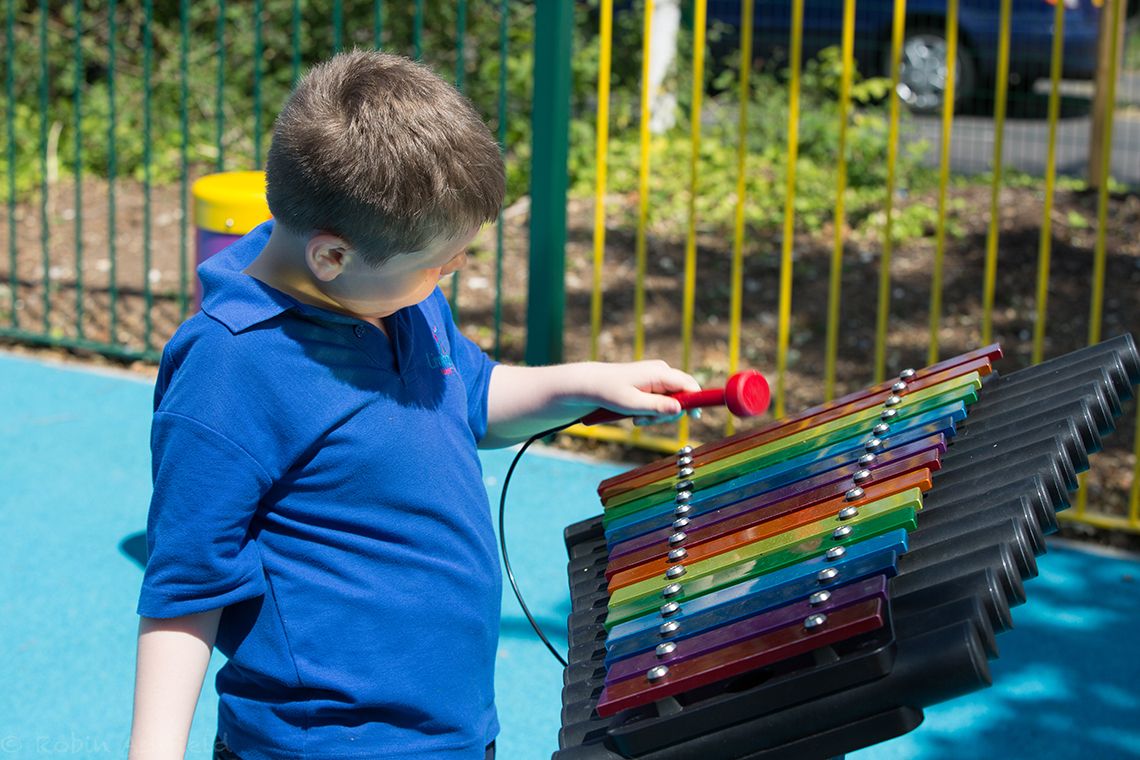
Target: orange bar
(760,509)
(662,469)
(656,568)
(979,360)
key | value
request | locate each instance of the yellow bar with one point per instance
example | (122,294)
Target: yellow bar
(897,28)
(1082,495)
(690,283)
(737,285)
(600,160)
(789,206)
(999,139)
(615,434)
(1107,522)
(642,187)
(1045,250)
(1097,309)
(944,176)
(835,280)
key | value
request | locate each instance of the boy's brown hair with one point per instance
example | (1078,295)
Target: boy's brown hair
(382,152)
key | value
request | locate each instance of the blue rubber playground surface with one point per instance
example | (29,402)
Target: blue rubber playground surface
(74,486)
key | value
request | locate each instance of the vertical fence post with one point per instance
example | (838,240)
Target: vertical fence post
(550,122)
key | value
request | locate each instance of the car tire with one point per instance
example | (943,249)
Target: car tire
(922,73)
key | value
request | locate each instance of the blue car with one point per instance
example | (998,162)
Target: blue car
(923,70)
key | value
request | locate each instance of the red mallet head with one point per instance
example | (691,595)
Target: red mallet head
(746,394)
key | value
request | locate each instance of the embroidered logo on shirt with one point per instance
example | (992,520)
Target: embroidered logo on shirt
(442,358)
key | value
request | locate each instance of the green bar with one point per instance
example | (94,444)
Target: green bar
(184,158)
(219,93)
(761,557)
(106,349)
(45,188)
(827,434)
(257,45)
(10,118)
(148,142)
(338,25)
(78,168)
(112,170)
(503,46)
(418,31)
(296,37)
(550,119)
(460,33)
(377,23)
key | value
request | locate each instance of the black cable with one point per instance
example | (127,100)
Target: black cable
(503,537)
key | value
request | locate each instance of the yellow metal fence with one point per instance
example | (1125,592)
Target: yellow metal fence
(1114,11)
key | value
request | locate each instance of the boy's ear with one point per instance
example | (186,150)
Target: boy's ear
(326,254)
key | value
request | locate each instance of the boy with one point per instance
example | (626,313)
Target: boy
(318,510)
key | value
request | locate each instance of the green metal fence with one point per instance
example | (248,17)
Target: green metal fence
(112,109)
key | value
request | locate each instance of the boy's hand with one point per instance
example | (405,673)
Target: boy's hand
(639,389)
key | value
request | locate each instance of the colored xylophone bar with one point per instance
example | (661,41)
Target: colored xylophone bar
(805,589)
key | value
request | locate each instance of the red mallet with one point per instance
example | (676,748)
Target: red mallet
(745,394)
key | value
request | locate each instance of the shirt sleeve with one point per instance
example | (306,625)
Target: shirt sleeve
(206,491)
(474,368)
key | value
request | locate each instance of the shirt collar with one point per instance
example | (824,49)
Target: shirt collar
(233,298)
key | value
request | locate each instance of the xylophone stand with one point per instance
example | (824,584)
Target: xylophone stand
(937,574)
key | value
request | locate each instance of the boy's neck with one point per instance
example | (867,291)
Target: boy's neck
(281,265)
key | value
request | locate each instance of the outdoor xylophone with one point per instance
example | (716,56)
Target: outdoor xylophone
(805,589)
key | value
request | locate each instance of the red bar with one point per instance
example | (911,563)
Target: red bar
(783,522)
(740,658)
(975,361)
(757,515)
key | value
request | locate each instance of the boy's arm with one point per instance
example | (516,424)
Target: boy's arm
(522,401)
(173,655)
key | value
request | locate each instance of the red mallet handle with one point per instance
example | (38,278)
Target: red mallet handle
(746,395)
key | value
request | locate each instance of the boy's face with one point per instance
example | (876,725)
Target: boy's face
(405,280)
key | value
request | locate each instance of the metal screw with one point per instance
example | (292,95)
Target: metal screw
(842,532)
(907,374)
(676,571)
(682,509)
(827,574)
(668,629)
(899,387)
(666,648)
(685,472)
(835,552)
(678,554)
(818,598)
(671,590)
(847,513)
(670,608)
(681,522)
(888,414)
(881,429)
(812,621)
(656,673)
(854,493)
(861,475)
(867,459)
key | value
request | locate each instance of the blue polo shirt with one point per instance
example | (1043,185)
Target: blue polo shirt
(320,481)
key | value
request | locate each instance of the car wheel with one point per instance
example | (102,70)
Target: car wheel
(922,70)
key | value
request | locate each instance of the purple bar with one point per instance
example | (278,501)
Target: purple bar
(757,625)
(704,521)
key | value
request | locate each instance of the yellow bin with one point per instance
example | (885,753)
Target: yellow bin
(227,205)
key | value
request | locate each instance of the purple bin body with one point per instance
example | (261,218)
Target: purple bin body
(206,245)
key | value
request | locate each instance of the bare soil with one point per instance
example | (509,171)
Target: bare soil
(131,270)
